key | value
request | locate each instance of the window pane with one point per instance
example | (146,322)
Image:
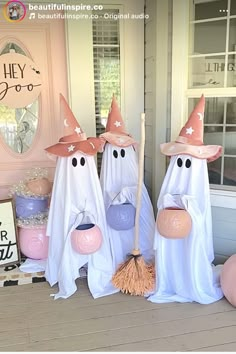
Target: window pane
(213,135)
(106,59)
(209,37)
(231,111)
(207,72)
(106,65)
(232,35)
(214,114)
(214,111)
(214,171)
(210,9)
(230,140)
(233,7)
(231,71)
(230,171)
(212,65)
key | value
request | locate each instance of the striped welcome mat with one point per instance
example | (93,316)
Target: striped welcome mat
(11,275)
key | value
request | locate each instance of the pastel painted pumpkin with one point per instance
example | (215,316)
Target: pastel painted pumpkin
(40,186)
(174,223)
(228,280)
(86,239)
(121,216)
(33,242)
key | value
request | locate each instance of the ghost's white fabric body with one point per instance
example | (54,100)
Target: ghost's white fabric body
(184,266)
(77,199)
(119,178)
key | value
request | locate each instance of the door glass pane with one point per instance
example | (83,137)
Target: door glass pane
(208,37)
(18,126)
(210,9)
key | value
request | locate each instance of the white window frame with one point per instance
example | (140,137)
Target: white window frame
(80,67)
(181,93)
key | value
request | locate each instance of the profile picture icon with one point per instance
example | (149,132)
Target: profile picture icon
(14,11)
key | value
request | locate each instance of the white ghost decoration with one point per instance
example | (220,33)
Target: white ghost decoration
(119,179)
(184,266)
(77,199)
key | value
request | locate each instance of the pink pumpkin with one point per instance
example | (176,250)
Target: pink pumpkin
(174,223)
(86,239)
(40,186)
(228,279)
(33,242)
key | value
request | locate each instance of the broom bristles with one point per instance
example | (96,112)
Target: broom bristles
(134,276)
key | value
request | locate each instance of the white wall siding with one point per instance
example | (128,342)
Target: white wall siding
(149,89)
(157,72)
(224,231)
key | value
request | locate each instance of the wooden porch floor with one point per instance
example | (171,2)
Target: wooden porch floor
(30,320)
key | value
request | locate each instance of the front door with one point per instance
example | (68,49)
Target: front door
(26,131)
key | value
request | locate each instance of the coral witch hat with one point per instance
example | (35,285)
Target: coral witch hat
(74,139)
(115,133)
(190,139)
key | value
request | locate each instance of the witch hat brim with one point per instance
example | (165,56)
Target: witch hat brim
(118,139)
(208,152)
(89,146)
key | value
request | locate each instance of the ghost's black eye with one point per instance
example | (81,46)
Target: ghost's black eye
(115,154)
(82,161)
(179,162)
(188,163)
(122,152)
(74,162)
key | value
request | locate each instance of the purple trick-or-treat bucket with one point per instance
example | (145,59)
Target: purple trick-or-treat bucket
(86,239)
(28,206)
(121,216)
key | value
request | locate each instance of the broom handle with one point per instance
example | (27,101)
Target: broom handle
(140,182)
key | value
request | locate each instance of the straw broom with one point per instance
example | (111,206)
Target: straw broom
(134,276)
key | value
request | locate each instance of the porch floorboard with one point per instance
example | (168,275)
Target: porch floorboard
(32,321)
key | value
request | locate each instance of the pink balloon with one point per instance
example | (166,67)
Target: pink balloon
(228,279)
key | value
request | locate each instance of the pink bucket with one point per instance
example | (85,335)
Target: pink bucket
(86,239)
(174,223)
(33,242)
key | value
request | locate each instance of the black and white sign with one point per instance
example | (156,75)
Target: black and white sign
(9,251)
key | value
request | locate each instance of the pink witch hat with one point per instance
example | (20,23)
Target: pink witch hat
(115,133)
(74,139)
(190,139)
